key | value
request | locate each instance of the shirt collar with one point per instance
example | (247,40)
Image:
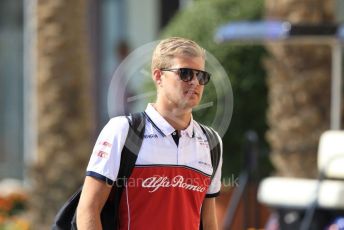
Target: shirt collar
(163,126)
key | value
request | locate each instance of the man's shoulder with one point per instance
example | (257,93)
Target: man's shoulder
(119,120)
(119,123)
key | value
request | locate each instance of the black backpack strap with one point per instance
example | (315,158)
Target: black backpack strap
(66,218)
(129,155)
(214,146)
(132,144)
(215,153)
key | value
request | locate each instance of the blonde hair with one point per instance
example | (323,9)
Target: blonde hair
(172,47)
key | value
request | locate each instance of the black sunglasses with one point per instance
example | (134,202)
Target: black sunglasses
(187,74)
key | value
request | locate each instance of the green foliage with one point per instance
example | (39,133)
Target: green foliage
(242,63)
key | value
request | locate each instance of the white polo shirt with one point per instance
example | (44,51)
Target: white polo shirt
(169,182)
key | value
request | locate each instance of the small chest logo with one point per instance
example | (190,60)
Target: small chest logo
(205,163)
(150,136)
(203,142)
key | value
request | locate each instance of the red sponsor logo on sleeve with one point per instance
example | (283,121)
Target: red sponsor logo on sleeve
(105,144)
(102,154)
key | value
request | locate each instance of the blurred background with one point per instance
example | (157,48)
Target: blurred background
(57,59)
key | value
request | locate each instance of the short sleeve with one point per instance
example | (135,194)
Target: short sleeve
(106,155)
(215,185)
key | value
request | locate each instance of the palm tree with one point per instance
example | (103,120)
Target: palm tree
(299,89)
(64,106)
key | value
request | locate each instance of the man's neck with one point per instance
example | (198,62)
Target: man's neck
(178,118)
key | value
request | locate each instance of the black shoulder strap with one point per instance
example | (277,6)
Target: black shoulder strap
(214,146)
(215,152)
(132,144)
(129,155)
(66,218)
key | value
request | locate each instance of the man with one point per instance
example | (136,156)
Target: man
(172,187)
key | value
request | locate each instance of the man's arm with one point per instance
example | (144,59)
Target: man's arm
(93,197)
(209,219)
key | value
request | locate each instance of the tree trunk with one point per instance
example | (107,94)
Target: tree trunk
(299,78)
(64,106)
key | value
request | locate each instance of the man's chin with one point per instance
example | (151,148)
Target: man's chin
(189,104)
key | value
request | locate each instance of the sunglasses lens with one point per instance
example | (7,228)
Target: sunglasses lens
(203,78)
(186,74)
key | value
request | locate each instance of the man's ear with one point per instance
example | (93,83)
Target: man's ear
(157,73)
